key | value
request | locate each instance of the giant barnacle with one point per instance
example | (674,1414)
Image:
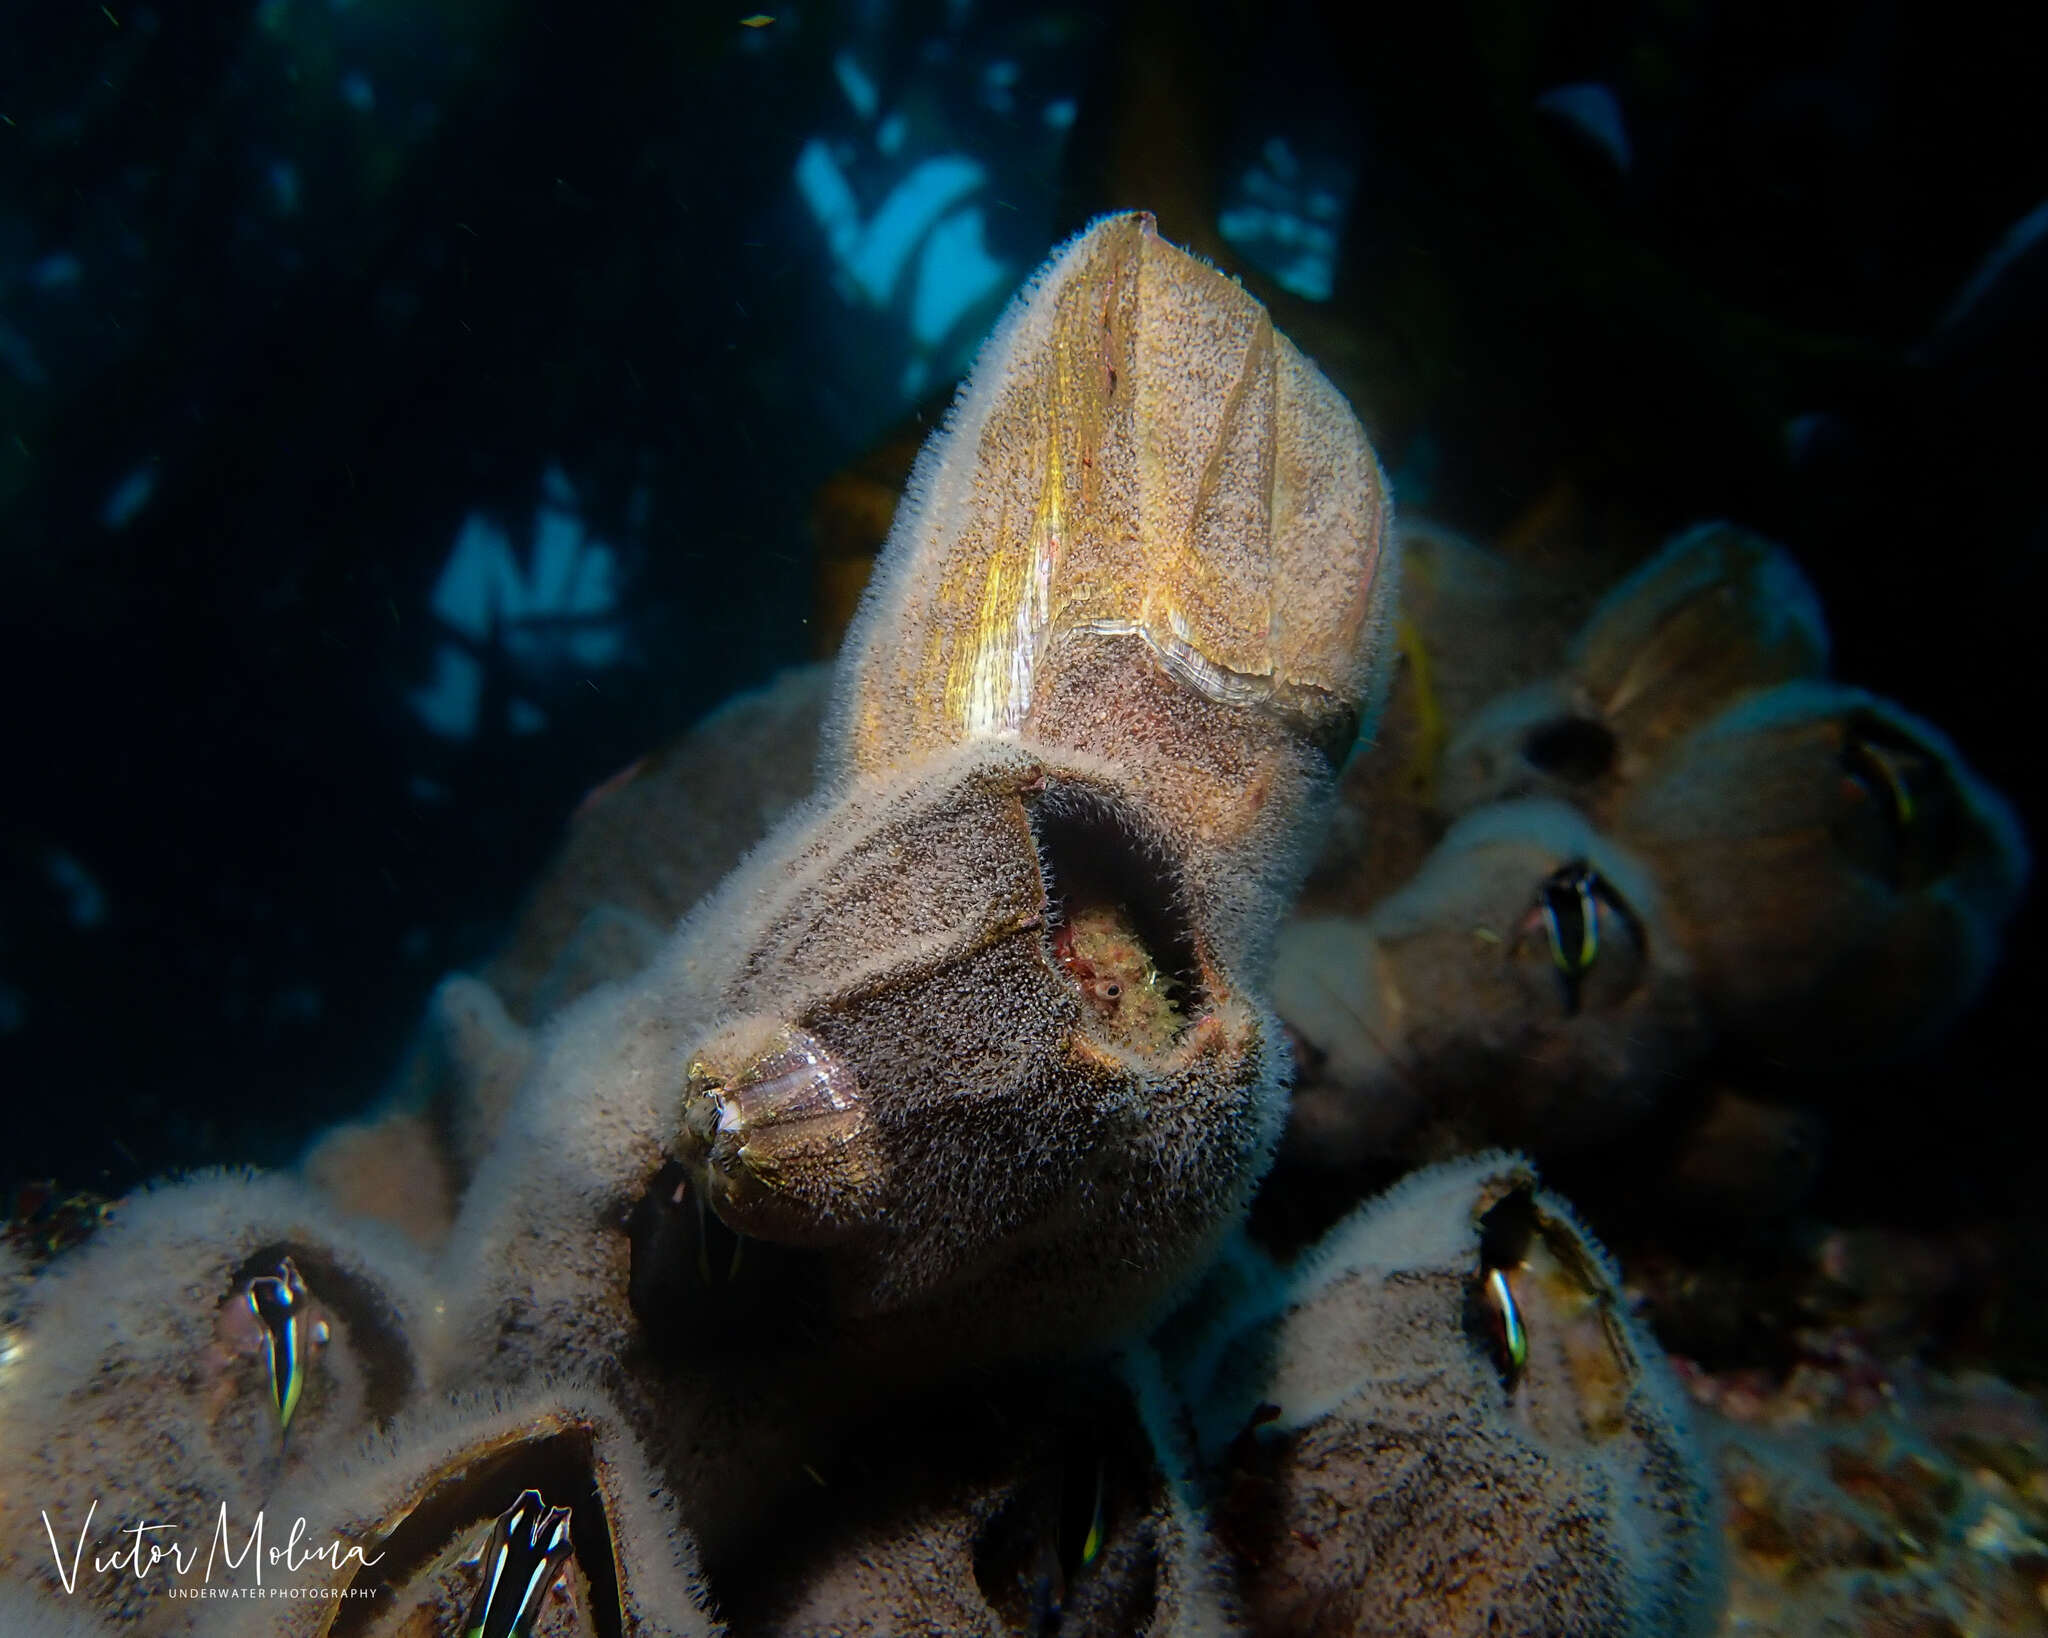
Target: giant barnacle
(772,1264)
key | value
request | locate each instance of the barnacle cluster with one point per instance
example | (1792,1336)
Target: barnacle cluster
(863,1256)
(1582,859)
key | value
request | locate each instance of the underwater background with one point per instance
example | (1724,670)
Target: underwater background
(409,415)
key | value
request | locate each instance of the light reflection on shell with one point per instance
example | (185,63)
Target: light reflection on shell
(1139,455)
(795,1079)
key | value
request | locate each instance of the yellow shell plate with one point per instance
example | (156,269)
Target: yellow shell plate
(1137,454)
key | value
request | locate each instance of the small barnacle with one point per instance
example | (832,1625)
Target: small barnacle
(1837,872)
(774,1133)
(1439,1011)
(497,1520)
(1578,1502)
(282,1320)
(1717,613)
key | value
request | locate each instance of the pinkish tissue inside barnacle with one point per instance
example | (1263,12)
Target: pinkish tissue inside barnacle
(1117,925)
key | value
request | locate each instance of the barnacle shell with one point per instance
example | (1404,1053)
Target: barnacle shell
(1138,456)
(1150,532)
(1381,1467)
(1439,1020)
(1128,620)
(138,1379)
(419,1504)
(988,1152)
(1837,873)
(786,1111)
(1718,613)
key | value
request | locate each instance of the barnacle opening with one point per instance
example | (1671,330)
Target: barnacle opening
(562,1466)
(1589,935)
(1507,1231)
(1117,923)
(1541,1301)
(1507,1228)
(1906,828)
(1577,750)
(376,1336)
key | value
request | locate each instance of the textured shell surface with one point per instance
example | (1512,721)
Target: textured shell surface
(1448,1422)
(1138,454)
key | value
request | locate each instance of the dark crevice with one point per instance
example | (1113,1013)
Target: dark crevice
(1575,749)
(1507,1230)
(1036,1556)
(699,1289)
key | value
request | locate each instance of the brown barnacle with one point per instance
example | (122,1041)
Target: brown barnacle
(533,1517)
(1718,613)
(1407,1436)
(1106,663)
(1523,987)
(193,1324)
(1839,876)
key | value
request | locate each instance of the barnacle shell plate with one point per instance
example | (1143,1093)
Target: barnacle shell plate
(1140,455)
